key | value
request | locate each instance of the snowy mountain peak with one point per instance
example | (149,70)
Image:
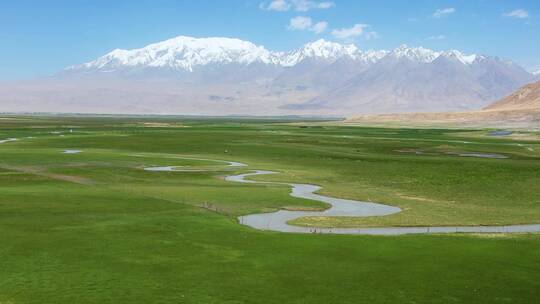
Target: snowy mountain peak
(457,55)
(184,53)
(415,53)
(371,56)
(425,55)
(328,49)
(536,73)
(320,49)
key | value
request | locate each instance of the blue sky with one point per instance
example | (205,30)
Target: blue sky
(41,37)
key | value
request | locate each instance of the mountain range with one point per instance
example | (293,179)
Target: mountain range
(218,76)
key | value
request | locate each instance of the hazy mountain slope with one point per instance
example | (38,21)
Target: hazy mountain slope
(519,109)
(323,65)
(406,83)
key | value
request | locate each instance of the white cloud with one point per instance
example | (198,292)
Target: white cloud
(437,37)
(298,5)
(278,5)
(319,27)
(350,32)
(306,5)
(301,23)
(443,11)
(326,4)
(518,13)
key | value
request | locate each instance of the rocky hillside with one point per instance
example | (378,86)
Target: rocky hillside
(527,97)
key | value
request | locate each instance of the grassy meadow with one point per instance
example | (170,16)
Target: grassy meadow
(94,227)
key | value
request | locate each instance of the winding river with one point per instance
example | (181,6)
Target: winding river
(277,221)
(183,169)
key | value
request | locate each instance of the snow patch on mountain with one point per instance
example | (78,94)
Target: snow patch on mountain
(465,59)
(320,49)
(424,55)
(419,54)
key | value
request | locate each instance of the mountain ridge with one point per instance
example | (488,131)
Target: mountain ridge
(209,76)
(185,53)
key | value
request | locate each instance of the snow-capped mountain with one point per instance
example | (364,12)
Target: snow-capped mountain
(188,53)
(184,53)
(230,76)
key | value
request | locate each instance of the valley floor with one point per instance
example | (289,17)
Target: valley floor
(94,227)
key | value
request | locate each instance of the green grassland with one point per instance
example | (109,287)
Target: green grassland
(96,228)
